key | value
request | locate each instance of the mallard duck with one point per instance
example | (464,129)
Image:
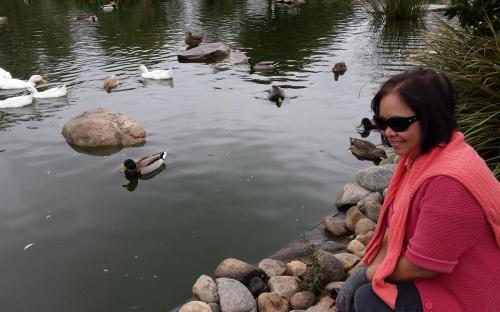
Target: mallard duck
(109,7)
(339,68)
(5,74)
(17,101)
(20,84)
(156,74)
(276,94)
(143,166)
(366,124)
(366,150)
(263,65)
(87,16)
(110,83)
(49,93)
(192,41)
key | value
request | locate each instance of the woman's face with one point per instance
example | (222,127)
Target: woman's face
(407,142)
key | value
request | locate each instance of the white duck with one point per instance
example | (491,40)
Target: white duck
(5,74)
(17,101)
(156,74)
(49,93)
(20,84)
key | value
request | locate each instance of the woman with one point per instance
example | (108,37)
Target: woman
(437,242)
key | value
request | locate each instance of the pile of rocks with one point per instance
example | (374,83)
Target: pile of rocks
(275,285)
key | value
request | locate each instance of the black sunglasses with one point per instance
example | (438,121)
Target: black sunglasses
(398,124)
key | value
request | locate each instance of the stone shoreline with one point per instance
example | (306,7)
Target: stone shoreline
(307,274)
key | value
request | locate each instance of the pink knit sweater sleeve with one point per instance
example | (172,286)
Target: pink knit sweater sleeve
(449,221)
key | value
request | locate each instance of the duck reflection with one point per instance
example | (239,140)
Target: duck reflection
(133,182)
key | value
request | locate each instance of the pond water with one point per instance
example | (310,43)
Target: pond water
(243,177)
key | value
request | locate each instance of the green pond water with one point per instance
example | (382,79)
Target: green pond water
(243,177)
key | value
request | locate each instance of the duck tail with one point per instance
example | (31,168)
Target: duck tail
(275,63)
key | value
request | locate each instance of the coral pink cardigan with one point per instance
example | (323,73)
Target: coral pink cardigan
(455,159)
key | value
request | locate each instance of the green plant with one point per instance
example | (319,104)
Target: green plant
(398,9)
(472,63)
(471,14)
(313,280)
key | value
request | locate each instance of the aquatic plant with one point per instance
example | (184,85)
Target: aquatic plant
(470,14)
(472,63)
(314,278)
(392,10)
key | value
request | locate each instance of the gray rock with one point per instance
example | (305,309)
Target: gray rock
(285,286)
(333,269)
(353,215)
(195,306)
(326,301)
(296,268)
(336,226)
(272,302)
(237,57)
(375,178)
(272,267)
(372,210)
(302,300)
(364,226)
(236,269)
(215,307)
(234,296)
(349,260)
(205,289)
(373,197)
(100,127)
(209,52)
(257,286)
(351,194)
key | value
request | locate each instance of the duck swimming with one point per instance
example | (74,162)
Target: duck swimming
(20,84)
(86,16)
(109,7)
(366,150)
(5,74)
(17,101)
(262,65)
(49,93)
(143,166)
(276,94)
(192,41)
(110,83)
(157,74)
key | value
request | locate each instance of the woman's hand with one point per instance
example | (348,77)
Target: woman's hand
(345,298)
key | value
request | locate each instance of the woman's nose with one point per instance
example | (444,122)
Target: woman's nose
(388,132)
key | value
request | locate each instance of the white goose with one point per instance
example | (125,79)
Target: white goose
(20,84)
(17,101)
(49,93)
(5,74)
(156,74)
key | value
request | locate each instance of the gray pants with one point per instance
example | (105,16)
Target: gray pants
(408,300)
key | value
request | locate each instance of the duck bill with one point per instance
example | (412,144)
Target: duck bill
(123,169)
(44,80)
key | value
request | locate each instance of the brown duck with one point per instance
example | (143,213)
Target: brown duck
(366,150)
(110,83)
(192,41)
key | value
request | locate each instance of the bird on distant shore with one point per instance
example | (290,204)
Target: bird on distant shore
(276,94)
(6,83)
(49,93)
(110,83)
(143,166)
(262,65)
(192,41)
(157,74)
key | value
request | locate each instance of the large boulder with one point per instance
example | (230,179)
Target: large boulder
(234,296)
(209,52)
(375,178)
(205,289)
(272,267)
(272,302)
(100,127)
(237,269)
(351,194)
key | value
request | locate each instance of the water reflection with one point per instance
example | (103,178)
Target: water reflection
(134,182)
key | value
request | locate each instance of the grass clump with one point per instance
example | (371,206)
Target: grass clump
(392,10)
(472,63)
(314,278)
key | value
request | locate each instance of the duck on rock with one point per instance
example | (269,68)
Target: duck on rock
(192,41)
(143,166)
(366,150)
